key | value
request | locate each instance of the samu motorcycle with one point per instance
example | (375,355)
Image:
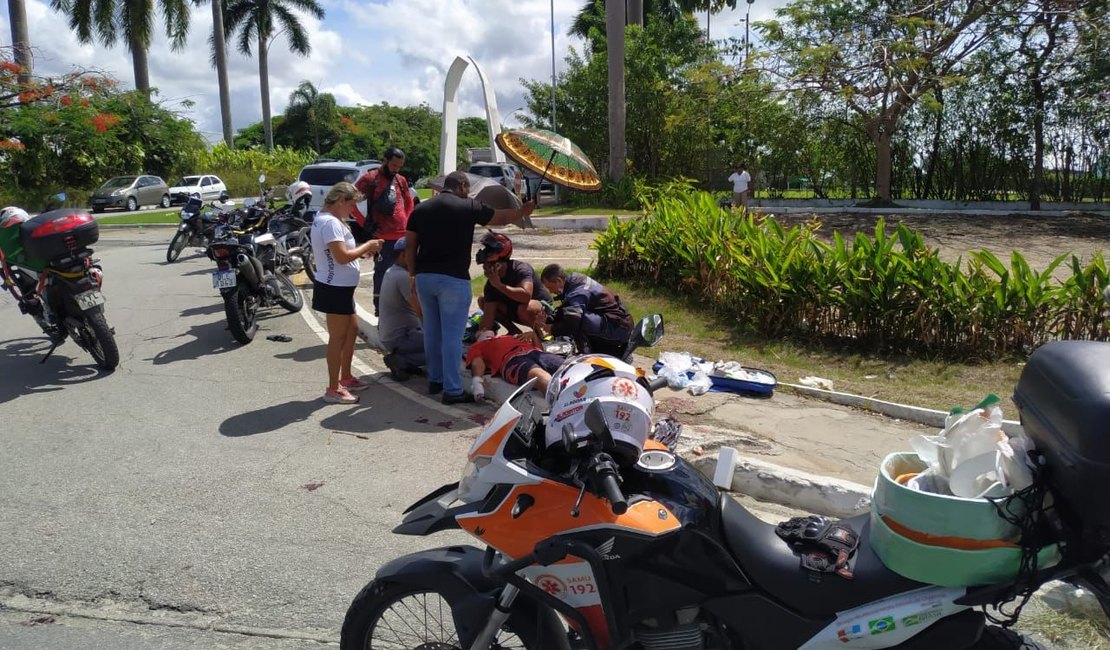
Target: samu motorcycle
(245,282)
(583,550)
(48,267)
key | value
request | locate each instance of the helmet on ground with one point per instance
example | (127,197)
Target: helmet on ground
(625,400)
(298,190)
(495,248)
(12,216)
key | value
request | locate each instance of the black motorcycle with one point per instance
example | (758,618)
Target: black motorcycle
(46,263)
(197,226)
(246,283)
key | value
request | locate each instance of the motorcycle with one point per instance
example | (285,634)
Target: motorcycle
(646,553)
(293,245)
(48,267)
(245,282)
(197,226)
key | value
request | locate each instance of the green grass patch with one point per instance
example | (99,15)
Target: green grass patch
(563,210)
(150,216)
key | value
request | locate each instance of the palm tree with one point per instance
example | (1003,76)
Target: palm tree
(218,39)
(256,20)
(311,107)
(614,37)
(21,42)
(133,20)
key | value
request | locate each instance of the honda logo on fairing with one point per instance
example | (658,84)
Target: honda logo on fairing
(606,549)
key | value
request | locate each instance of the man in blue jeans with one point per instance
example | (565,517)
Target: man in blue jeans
(438,244)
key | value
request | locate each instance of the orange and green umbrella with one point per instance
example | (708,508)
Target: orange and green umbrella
(552,156)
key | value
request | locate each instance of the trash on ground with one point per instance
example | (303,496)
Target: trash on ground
(683,370)
(816,382)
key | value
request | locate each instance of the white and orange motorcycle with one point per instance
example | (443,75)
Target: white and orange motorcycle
(596,536)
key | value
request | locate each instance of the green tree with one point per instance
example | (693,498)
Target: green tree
(258,22)
(878,57)
(310,116)
(131,20)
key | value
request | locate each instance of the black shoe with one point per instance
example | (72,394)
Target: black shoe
(461,398)
(435,388)
(396,369)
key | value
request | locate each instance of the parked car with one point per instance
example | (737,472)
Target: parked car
(131,192)
(321,176)
(506,174)
(208,186)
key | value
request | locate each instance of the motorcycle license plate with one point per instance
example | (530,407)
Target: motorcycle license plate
(223,280)
(89,299)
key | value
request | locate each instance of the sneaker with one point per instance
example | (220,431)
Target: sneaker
(396,368)
(461,398)
(353,384)
(339,396)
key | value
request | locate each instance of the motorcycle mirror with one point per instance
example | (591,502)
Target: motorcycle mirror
(261,178)
(224,197)
(56,201)
(598,425)
(650,329)
(568,438)
(249,203)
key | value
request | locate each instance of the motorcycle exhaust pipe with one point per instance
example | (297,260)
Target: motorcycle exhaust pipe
(250,270)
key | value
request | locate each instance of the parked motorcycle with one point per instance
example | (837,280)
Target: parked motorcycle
(588,523)
(197,225)
(245,282)
(48,267)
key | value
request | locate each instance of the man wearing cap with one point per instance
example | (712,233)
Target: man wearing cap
(389,203)
(400,321)
(439,240)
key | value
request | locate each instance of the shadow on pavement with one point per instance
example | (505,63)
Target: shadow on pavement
(312,353)
(381,412)
(25,375)
(270,418)
(206,339)
(205,310)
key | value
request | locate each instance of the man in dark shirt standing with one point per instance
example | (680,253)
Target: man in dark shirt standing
(389,202)
(438,244)
(513,289)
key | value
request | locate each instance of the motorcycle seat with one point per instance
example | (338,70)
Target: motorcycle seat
(774,567)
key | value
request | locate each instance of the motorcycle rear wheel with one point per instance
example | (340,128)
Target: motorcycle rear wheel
(242,314)
(100,340)
(177,244)
(392,615)
(288,295)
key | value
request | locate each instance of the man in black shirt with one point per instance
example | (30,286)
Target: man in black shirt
(438,244)
(513,289)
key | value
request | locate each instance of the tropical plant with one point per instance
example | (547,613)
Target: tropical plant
(310,116)
(257,22)
(131,20)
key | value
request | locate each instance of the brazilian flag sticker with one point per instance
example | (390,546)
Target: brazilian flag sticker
(914,619)
(881,625)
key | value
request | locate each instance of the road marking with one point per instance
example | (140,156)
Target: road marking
(381,376)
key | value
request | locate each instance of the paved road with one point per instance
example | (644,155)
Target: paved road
(177,489)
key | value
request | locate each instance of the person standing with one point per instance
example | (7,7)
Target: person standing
(438,243)
(333,290)
(399,326)
(741,186)
(389,202)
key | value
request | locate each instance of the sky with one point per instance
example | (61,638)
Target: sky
(363,53)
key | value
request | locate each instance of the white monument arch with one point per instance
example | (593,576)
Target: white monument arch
(449,137)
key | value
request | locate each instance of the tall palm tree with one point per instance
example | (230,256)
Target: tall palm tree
(218,39)
(614,37)
(131,20)
(21,42)
(256,21)
(313,108)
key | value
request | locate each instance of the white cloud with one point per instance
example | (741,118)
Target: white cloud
(395,51)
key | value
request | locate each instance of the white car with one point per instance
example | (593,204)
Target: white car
(208,186)
(322,175)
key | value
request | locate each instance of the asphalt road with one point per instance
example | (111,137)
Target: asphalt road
(202,495)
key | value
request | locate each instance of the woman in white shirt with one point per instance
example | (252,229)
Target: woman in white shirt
(333,292)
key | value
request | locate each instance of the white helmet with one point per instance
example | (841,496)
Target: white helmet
(619,387)
(12,216)
(297,190)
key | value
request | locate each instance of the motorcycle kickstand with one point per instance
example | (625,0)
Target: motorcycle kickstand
(500,614)
(49,352)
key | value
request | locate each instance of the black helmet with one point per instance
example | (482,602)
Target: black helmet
(495,248)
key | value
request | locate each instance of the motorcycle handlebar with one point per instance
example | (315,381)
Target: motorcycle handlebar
(606,472)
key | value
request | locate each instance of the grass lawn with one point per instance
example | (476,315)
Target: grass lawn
(146,216)
(936,384)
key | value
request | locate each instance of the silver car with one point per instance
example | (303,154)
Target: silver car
(131,192)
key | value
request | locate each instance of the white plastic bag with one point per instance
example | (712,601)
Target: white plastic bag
(700,383)
(679,361)
(675,379)
(966,435)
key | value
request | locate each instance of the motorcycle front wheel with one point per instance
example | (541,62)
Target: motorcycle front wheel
(309,260)
(391,615)
(242,314)
(177,244)
(288,295)
(100,341)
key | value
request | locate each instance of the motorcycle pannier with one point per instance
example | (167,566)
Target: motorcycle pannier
(1063,396)
(58,233)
